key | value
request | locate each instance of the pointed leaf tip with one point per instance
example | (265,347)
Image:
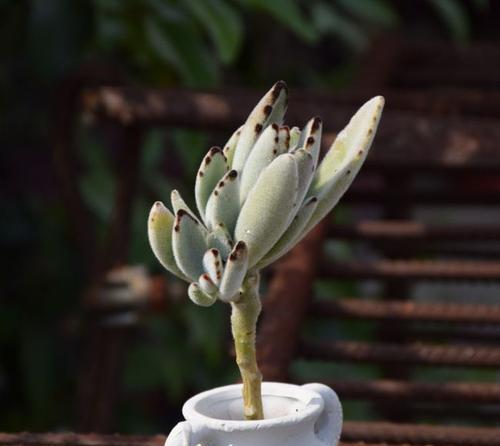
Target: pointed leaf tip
(270,109)
(234,272)
(160,224)
(212,169)
(344,159)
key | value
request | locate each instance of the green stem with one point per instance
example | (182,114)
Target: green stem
(245,313)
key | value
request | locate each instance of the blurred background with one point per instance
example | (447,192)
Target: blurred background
(49,49)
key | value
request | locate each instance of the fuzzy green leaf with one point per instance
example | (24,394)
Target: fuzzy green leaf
(305,169)
(160,224)
(220,239)
(189,244)
(199,297)
(257,121)
(284,139)
(292,235)
(345,158)
(178,204)
(234,273)
(263,153)
(230,147)
(212,169)
(212,263)
(265,215)
(310,138)
(294,138)
(223,205)
(207,285)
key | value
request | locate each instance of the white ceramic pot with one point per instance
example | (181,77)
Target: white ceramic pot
(309,415)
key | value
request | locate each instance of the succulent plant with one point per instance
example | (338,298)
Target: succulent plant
(256,199)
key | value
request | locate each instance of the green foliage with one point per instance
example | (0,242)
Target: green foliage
(453,16)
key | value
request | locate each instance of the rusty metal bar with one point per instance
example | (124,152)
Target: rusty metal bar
(407,311)
(367,194)
(74,439)
(420,434)
(354,434)
(415,353)
(408,139)
(457,334)
(415,270)
(412,230)
(392,390)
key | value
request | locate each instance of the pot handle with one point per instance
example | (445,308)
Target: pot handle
(329,424)
(182,435)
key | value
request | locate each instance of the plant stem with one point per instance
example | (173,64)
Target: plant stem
(245,313)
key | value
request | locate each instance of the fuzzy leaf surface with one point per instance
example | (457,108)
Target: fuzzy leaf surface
(223,205)
(344,159)
(189,244)
(160,224)
(265,215)
(212,169)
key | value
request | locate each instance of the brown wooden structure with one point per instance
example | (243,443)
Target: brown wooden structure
(437,146)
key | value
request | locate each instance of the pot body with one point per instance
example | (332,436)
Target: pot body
(309,415)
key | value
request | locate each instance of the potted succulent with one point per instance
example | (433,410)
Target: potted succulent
(256,198)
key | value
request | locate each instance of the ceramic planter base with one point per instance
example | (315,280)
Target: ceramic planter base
(309,415)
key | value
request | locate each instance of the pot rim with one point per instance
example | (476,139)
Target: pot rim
(313,406)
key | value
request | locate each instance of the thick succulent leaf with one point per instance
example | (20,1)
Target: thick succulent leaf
(230,147)
(212,169)
(263,153)
(284,139)
(294,138)
(178,204)
(258,119)
(212,263)
(207,286)
(310,138)
(345,158)
(234,273)
(305,169)
(220,239)
(199,297)
(160,224)
(279,109)
(265,215)
(292,235)
(189,244)
(224,205)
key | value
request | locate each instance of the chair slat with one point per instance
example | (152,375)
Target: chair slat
(418,434)
(412,230)
(414,270)
(394,390)
(406,310)
(389,353)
